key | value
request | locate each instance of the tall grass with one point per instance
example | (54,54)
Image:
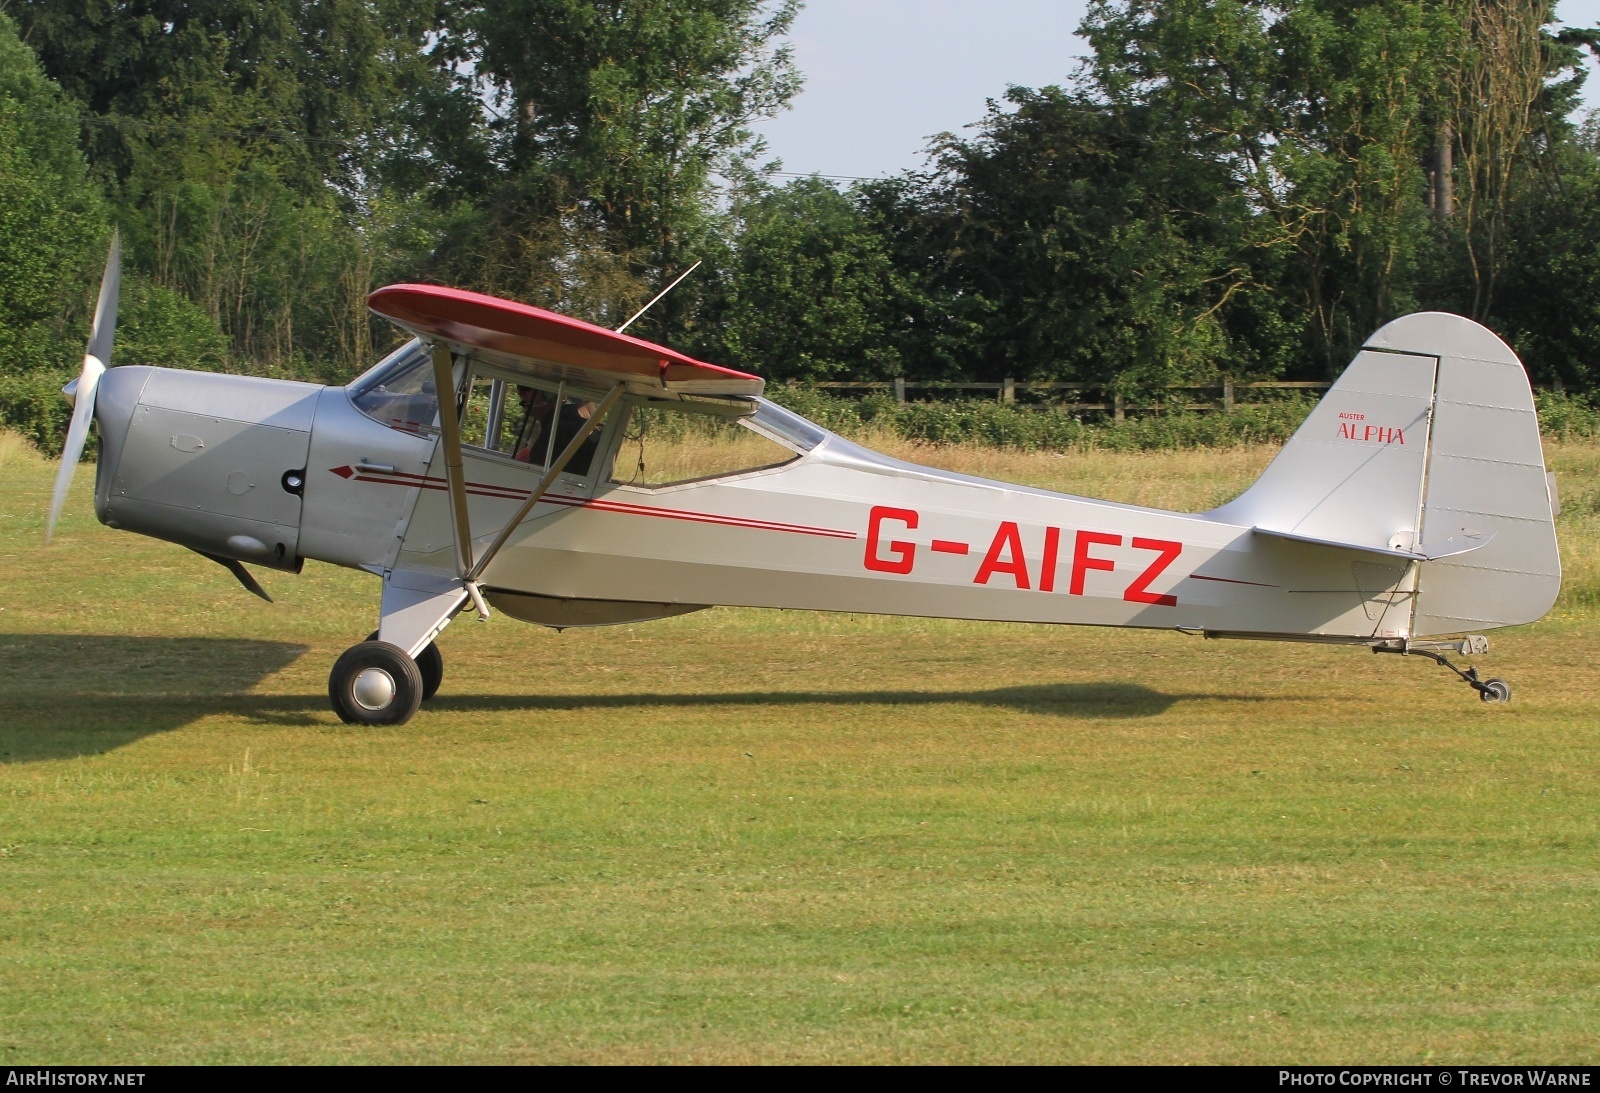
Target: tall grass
(16,453)
(1045,427)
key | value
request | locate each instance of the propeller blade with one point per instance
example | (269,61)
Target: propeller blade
(105,309)
(80,392)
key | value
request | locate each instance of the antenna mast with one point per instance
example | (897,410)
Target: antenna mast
(660,294)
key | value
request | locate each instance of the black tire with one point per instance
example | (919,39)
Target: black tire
(389,695)
(1495,690)
(430,662)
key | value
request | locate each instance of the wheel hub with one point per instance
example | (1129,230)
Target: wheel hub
(373,689)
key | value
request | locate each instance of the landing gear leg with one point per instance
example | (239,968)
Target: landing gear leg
(1489,690)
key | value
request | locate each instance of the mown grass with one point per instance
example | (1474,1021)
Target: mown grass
(763,836)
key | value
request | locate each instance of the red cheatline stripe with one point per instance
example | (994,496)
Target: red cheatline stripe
(946,546)
(1230,580)
(622,508)
(706,518)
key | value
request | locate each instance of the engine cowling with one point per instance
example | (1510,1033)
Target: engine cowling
(211,462)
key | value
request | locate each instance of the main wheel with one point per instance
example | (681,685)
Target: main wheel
(375,683)
(1495,690)
(430,662)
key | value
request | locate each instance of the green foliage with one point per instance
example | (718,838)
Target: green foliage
(814,293)
(246,148)
(160,326)
(1547,300)
(1567,417)
(52,221)
(31,404)
(1230,187)
(1104,249)
(988,423)
(611,120)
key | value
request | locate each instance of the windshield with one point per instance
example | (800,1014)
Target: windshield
(785,426)
(399,390)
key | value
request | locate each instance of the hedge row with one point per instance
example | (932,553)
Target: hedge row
(990,423)
(31,404)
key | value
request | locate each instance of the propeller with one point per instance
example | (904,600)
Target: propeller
(80,392)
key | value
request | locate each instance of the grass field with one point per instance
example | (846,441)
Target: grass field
(747,836)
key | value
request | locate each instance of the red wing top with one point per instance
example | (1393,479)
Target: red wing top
(538,342)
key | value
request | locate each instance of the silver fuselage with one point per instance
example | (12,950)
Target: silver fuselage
(211,461)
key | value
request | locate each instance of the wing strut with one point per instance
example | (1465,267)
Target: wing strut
(596,419)
(454,474)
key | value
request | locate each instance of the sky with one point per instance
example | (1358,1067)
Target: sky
(883,76)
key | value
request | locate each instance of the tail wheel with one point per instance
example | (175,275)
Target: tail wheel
(375,683)
(1495,690)
(430,662)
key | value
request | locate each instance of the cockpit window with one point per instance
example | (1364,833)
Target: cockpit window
(400,391)
(667,445)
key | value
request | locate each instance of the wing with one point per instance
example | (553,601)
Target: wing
(535,342)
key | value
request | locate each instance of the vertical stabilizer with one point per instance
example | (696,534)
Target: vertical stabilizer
(1354,472)
(1426,448)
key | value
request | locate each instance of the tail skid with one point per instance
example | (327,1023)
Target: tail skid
(1427,449)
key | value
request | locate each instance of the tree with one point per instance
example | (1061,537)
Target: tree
(247,149)
(1102,249)
(813,292)
(1380,144)
(1547,296)
(52,218)
(614,120)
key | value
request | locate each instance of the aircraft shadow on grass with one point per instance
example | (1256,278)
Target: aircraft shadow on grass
(1081,700)
(65,695)
(68,695)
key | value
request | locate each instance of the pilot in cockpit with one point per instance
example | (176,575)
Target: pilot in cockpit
(532,440)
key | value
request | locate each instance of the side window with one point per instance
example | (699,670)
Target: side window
(488,421)
(539,423)
(665,447)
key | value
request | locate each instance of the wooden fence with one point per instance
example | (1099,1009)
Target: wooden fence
(1227,392)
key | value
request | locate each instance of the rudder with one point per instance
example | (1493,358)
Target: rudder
(1486,481)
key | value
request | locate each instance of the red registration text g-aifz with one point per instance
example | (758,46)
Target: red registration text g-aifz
(1004,560)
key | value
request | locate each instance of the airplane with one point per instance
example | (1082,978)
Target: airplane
(1410,510)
